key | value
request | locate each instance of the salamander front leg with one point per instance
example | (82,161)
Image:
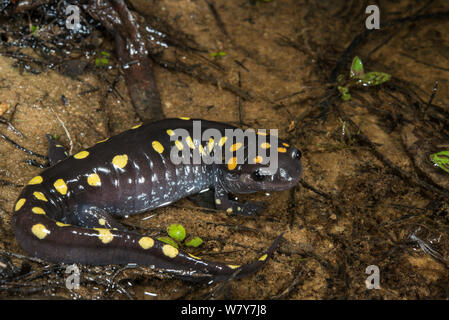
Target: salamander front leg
(56,152)
(222,202)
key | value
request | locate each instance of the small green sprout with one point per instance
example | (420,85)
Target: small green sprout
(177,232)
(345,95)
(441,159)
(358,77)
(356,68)
(169,241)
(374,78)
(218,54)
(194,242)
(34,30)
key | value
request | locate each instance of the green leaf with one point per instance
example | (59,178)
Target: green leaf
(169,241)
(104,61)
(218,54)
(340,78)
(441,159)
(194,242)
(176,231)
(101,62)
(356,68)
(374,78)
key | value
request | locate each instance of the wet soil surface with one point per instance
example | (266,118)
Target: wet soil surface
(370,195)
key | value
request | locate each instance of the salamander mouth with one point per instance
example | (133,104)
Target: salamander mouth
(280,186)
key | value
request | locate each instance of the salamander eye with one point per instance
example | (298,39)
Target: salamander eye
(258,176)
(296,154)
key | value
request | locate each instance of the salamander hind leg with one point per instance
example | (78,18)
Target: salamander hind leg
(92,217)
(56,152)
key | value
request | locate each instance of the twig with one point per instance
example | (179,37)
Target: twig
(308,186)
(432,96)
(239,102)
(18,146)
(298,278)
(65,130)
(424,62)
(217,17)
(11,127)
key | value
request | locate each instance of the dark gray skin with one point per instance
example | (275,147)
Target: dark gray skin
(147,180)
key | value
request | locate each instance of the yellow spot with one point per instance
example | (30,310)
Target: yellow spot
(146,242)
(263,258)
(158,146)
(170,132)
(222,141)
(239,209)
(232,163)
(201,149)
(40,231)
(104,235)
(265,145)
(170,251)
(120,161)
(94,180)
(261,133)
(40,196)
(229,210)
(103,140)
(282,149)
(184,118)
(36,180)
(190,142)
(19,204)
(38,210)
(60,224)
(81,155)
(102,221)
(235,147)
(217,201)
(136,126)
(285,144)
(210,144)
(60,186)
(194,257)
(233,266)
(58,146)
(258,159)
(179,145)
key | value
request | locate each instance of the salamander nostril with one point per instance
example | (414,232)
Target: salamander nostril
(296,154)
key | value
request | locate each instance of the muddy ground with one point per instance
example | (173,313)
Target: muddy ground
(366,197)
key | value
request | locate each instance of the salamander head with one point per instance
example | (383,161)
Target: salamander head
(278,173)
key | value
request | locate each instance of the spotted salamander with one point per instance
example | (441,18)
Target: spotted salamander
(66,214)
